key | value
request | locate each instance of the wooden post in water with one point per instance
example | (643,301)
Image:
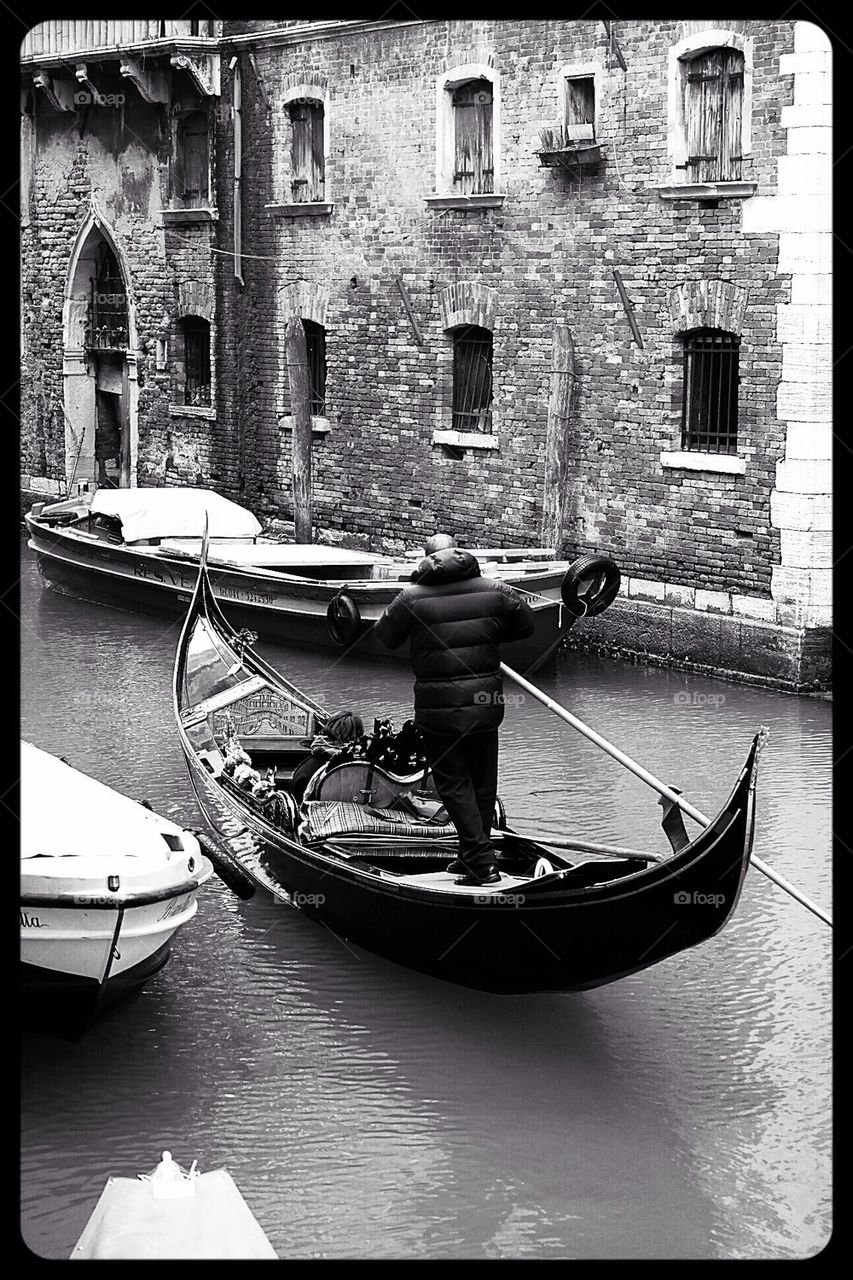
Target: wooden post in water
(557,439)
(296,354)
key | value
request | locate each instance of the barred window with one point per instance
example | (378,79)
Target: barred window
(315,340)
(709,416)
(472,379)
(307,151)
(473,163)
(196,335)
(108,321)
(714,116)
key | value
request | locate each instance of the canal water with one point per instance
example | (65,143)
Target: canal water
(368,1112)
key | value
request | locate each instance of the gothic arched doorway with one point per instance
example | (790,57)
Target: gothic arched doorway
(99,366)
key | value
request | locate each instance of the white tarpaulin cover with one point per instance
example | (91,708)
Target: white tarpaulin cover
(65,813)
(215,1222)
(174,513)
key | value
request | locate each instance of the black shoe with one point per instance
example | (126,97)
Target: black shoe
(456,868)
(489,875)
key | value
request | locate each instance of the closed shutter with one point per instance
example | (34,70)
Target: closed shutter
(473,164)
(194,185)
(715,116)
(307,152)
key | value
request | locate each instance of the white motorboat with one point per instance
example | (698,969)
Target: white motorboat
(106,883)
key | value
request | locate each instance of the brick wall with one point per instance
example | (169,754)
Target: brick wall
(549,252)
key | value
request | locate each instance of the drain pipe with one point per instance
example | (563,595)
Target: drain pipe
(238,168)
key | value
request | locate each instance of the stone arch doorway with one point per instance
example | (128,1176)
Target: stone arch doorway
(100,363)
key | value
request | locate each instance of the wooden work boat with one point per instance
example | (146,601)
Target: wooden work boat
(138,549)
(172,1213)
(105,885)
(554,923)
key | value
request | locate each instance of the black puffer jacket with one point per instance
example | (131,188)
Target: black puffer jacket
(455,620)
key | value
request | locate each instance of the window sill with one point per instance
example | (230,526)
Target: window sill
(319,426)
(192,411)
(707,190)
(466,439)
(728,464)
(309,209)
(491,200)
(182,216)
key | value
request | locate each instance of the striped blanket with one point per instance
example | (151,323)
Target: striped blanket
(324,818)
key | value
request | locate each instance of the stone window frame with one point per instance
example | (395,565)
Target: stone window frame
(194,299)
(702,304)
(444,197)
(283,206)
(467,302)
(308,301)
(679,57)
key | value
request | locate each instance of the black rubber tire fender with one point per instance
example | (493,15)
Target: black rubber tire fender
(601,594)
(343,619)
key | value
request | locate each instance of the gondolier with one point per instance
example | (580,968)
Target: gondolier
(456,620)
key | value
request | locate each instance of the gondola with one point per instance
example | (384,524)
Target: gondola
(353,856)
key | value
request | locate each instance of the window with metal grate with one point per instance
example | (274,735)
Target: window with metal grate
(315,340)
(196,334)
(472,379)
(711,379)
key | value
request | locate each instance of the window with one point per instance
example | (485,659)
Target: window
(473,165)
(580,108)
(714,95)
(315,340)
(307,151)
(108,322)
(192,164)
(472,379)
(709,415)
(196,335)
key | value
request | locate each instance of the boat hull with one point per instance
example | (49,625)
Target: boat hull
(281,608)
(528,940)
(79,961)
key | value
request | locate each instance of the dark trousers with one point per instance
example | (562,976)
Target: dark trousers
(466,777)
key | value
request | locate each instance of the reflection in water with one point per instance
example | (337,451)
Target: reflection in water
(367,1111)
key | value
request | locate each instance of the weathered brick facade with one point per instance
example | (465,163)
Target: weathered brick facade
(544,255)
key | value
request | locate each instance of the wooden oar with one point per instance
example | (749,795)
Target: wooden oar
(658,786)
(583,846)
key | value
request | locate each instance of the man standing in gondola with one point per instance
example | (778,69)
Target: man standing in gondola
(455,620)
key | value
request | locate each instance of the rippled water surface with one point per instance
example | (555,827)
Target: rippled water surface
(366,1111)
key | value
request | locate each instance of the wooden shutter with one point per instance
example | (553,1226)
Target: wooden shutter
(580,107)
(307,152)
(473,164)
(715,116)
(732,118)
(193,170)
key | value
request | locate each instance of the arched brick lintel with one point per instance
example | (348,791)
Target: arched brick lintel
(468,302)
(194,298)
(707,304)
(306,300)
